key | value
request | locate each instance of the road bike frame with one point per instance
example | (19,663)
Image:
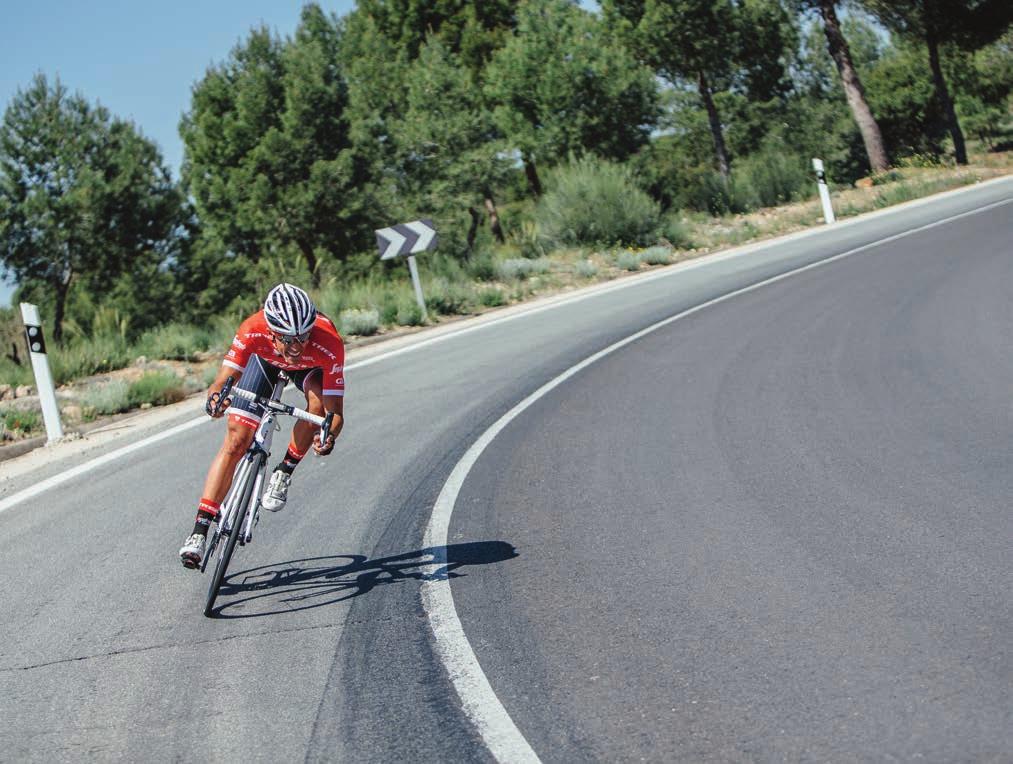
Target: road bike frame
(241,507)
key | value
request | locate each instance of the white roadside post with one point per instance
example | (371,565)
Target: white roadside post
(417,283)
(821,182)
(408,239)
(40,365)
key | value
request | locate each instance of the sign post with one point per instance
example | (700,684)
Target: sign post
(40,365)
(417,283)
(821,182)
(408,239)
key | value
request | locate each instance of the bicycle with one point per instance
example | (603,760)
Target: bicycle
(240,511)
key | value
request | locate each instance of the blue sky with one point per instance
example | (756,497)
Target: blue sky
(138,59)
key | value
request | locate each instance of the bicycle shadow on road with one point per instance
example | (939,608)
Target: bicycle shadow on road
(286,587)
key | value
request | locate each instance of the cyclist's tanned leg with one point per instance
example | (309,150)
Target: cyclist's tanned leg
(276,495)
(238,438)
(303,432)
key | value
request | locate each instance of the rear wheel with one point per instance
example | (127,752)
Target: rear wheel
(245,494)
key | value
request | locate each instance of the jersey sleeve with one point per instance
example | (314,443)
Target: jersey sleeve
(239,352)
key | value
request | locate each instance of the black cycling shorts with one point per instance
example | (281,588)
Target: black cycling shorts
(259,377)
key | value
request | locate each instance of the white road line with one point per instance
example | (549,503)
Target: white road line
(63,477)
(502,737)
(81,469)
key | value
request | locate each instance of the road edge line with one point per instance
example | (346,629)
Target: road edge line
(481,705)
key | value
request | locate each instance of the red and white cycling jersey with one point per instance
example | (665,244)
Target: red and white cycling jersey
(324,350)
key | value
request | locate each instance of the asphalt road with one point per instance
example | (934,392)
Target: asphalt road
(773,530)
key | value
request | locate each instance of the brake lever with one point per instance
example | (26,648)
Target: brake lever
(223,401)
(325,428)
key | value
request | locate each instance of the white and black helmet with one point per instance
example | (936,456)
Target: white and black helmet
(289,310)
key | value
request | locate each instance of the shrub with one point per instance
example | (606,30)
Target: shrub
(526,239)
(898,194)
(448,298)
(674,232)
(593,201)
(440,265)
(920,161)
(520,268)
(887,176)
(657,256)
(83,358)
(331,301)
(492,297)
(482,267)
(711,192)
(12,374)
(586,269)
(108,321)
(159,388)
(361,322)
(628,261)
(772,176)
(109,398)
(409,313)
(20,422)
(176,342)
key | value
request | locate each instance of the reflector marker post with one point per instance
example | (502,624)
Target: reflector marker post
(40,365)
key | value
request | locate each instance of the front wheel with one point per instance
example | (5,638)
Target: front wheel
(244,494)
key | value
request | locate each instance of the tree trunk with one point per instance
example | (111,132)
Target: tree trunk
(311,262)
(875,149)
(534,182)
(943,94)
(476,218)
(494,225)
(724,166)
(62,287)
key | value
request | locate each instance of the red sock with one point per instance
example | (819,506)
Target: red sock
(207,511)
(291,460)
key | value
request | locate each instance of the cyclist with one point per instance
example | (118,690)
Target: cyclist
(287,334)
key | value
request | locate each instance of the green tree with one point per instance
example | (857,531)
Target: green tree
(563,85)
(984,83)
(970,24)
(822,121)
(854,91)
(269,159)
(84,198)
(902,93)
(710,45)
(449,154)
(470,29)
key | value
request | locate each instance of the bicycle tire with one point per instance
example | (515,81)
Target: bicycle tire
(234,533)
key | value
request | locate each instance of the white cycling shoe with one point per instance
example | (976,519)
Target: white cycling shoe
(276,495)
(192,552)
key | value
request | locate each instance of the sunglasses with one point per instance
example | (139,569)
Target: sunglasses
(288,339)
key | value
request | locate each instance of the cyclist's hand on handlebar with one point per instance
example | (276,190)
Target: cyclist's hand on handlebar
(216,406)
(219,399)
(326,447)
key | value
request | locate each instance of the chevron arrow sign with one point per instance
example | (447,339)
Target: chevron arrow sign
(406,239)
